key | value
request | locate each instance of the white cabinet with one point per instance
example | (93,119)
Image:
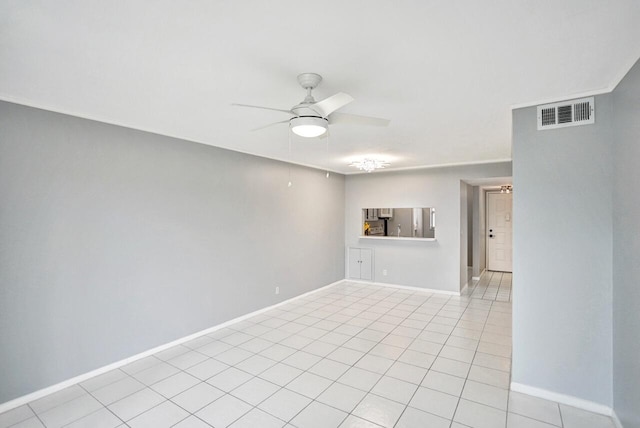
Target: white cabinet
(360,263)
(385,212)
(370,214)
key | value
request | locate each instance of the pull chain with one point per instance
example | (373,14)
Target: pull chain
(290,183)
(327,152)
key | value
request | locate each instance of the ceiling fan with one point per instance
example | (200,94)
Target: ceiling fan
(311,118)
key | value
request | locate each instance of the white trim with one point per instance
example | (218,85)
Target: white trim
(616,81)
(39,106)
(477,278)
(569,400)
(28,103)
(406,287)
(623,73)
(616,420)
(464,289)
(81,378)
(442,165)
(568,97)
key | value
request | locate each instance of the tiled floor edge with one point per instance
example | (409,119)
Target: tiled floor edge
(407,287)
(569,400)
(17,402)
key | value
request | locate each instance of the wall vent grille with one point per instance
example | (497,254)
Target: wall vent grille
(567,113)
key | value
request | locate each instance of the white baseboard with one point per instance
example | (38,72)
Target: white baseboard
(569,400)
(406,287)
(464,289)
(477,278)
(616,421)
(81,378)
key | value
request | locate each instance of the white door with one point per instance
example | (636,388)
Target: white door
(360,263)
(366,264)
(499,230)
(354,263)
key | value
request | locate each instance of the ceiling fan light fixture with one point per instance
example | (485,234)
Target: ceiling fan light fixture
(309,126)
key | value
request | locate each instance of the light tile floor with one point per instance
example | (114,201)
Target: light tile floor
(352,355)
(493,286)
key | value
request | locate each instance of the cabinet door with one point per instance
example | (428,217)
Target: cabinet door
(354,263)
(366,264)
(371,214)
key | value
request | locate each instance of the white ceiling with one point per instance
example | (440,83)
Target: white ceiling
(445,72)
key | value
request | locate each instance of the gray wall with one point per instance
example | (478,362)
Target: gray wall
(562,266)
(419,264)
(114,241)
(464,233)
(626,249)
(478,236)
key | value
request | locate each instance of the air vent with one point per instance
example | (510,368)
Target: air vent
(567,113)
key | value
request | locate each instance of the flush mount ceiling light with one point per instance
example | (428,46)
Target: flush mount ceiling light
(506,189)
(369,165)
(309,126)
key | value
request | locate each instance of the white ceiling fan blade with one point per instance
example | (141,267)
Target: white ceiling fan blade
(327,106)
(271,124)
(264,108)
(355,119)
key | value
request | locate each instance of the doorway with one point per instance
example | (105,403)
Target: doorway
(474,230)
(499,231)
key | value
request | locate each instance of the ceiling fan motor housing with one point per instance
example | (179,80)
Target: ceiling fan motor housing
(305,109)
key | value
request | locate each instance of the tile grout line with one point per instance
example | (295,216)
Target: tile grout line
(425,375)
(280,387)
(103,405)
(315,311)
(36,415)
(299,349)
(470,365)
(366,353)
